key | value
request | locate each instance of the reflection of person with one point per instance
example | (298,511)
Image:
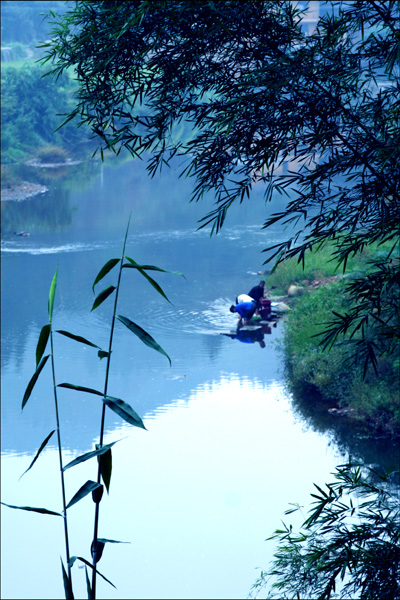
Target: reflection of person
(248,337)
(245,310)
(257,293)
(266,328)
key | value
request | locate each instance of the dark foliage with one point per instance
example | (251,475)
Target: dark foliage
(348,547)
(252,92)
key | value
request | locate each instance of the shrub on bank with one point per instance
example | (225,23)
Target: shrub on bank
(51,154)
(374,399)
(318,266)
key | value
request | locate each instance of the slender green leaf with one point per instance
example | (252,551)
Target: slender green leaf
(126,235)
(32,382)
(86,562)
(97,547)
(38,452)
(103,354)
(69,118)
(135,265)
(143,335)
(105,462)
(154,283)
(80,388)
(124,410)
(42,343)
(87,487)
(88,456)
(42,511)
(106,269)
(103,296)
(88,586)
(77,338)
(106,541)
(69,595)
(52,294)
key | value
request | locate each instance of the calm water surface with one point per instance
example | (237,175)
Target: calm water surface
(227,447)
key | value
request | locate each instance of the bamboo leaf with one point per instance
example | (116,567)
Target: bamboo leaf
(52,294)
(321,490)
(88,586)
(97,548)
(38,452)
(77,338)
(68,119)
(89,455)
(87,487)
(42,343)
(143,335)
(154,283)
(32,382)
(103,296)
(67,584)
(135,265)
(126,235)
(105,462)
(106,541)
(124,410)
(106,269)
(42,511)
(80,388)
(74,558)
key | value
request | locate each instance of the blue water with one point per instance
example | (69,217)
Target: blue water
(226,448)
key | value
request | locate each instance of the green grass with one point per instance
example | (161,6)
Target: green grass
(318,265)
(374,400)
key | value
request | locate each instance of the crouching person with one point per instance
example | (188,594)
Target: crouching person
(245,311)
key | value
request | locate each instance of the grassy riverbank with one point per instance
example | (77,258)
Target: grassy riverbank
(313,294)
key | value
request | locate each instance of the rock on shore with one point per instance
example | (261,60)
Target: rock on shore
(23,191)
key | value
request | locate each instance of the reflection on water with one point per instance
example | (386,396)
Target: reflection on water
(351,437)
(195,495)
(252,334)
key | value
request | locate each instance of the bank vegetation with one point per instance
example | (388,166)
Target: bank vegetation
(315,294)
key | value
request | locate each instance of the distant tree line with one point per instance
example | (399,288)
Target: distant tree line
(30,112)
(23,21)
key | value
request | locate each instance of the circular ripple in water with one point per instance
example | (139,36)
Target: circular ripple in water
(210,319)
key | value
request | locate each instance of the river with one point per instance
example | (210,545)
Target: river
(227,446)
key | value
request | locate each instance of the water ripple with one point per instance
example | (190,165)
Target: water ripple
(204,318)
(72,247)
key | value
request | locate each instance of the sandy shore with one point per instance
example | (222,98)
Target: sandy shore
(22,191)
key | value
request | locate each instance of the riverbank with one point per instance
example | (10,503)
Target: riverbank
(22,191)
(15,190)
(313,295)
